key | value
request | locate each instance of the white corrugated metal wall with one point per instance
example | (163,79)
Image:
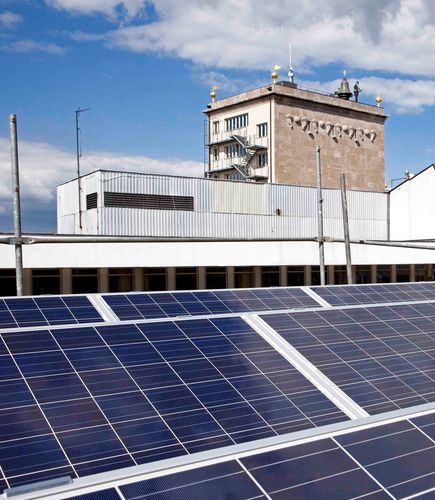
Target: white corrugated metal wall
(226,209)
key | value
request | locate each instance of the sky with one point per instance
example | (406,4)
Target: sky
(145,69)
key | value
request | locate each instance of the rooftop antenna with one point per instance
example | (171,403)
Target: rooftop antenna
(290,73)
(79,154)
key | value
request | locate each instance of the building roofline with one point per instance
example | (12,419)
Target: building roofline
(432,165)
(210,179)
(296,92)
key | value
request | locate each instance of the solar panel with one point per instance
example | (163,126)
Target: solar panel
(394,460)
(382,357)
(135,306)
(25,312)
(376,293)
(82,400)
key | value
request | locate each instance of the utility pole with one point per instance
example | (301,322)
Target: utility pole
(320,237)
(79,154)
(346,228)
(16,204)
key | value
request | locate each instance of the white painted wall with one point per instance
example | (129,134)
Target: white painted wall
(412,208)
(211,253)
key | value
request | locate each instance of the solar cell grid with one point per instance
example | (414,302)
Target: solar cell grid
(170,304)
(393,460)
(381,364)
(111,396)
(376,293)
(25,312)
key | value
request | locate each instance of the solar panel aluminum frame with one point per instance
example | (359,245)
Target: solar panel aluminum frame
(309,293)
(308,370)
(129,475)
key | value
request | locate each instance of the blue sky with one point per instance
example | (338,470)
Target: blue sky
(145,69)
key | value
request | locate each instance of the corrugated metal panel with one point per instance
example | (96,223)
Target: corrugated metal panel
(199,188)
(240,198)
(237,210)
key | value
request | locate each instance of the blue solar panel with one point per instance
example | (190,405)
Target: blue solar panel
(376,293)
(25,312)
(382,357)
(393,460)
(171,304)
(84,400)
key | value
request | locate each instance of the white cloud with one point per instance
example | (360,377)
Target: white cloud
(387,35)
(110,8)
(44,166)
(399,95)
(32,46)
(9,20)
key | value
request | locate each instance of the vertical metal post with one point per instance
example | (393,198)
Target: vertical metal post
(78,166)
(320,218)
(79,153)
(346,228)
(16,204)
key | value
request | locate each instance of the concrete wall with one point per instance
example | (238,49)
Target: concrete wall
(360,156)
(211,253)
(351,135)
(412,208)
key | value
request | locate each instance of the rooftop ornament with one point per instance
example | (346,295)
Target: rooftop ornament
(344,91)
(213,93)
(274,74)
(378,100)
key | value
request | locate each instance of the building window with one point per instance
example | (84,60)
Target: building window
(383,274)
(340,275)
(154,279)
(216,127)
(234,150)
(236,122)
(363,275)
(46,281)
(215,277)
(315,275)
(403,273)
(270,276)
(215,154)
(84,280)
(186,278)
(8,283)
(121,280)
(262,160)
(262,130)
(243,277)
(424,272)
(295,276)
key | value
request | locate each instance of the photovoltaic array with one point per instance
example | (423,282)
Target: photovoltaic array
(76,399)
(376,293)
(382,357)
(135,306)
(25,312)
(83,400)
(387,461)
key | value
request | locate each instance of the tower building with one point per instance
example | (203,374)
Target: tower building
(269,134)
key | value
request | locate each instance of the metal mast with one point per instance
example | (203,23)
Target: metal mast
(79,154)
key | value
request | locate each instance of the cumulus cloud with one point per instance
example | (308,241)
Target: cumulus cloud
(385,35)
(9,20)
(110,8)
(44,166)
(399,95)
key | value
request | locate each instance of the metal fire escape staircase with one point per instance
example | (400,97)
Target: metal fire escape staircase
(250,149)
